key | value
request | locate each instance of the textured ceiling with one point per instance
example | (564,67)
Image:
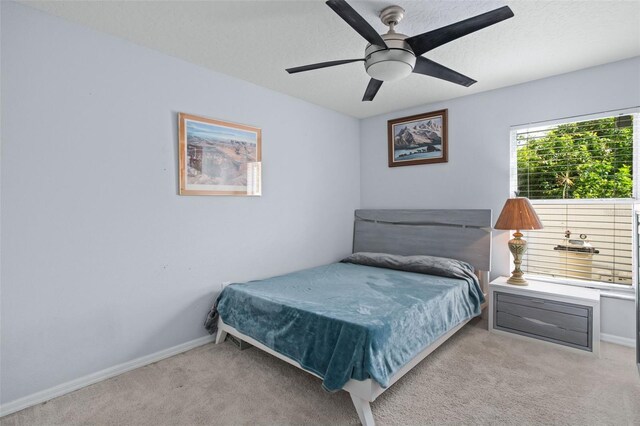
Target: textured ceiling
(257,40)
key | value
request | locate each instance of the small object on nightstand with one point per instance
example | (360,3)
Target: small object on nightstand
(555,313)
(518,214)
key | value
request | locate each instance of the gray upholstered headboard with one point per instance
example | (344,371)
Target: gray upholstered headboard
(457,234)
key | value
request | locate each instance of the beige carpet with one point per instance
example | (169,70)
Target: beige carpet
(474,378)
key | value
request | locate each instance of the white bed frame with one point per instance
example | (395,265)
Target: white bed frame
(458,234)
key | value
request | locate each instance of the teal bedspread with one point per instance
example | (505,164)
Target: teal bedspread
(344,321)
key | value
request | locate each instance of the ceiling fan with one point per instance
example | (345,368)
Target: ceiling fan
(393,56)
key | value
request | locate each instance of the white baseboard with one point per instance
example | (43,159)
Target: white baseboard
(612,338)
(64,388)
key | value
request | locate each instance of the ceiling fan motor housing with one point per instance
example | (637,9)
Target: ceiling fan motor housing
(392,63)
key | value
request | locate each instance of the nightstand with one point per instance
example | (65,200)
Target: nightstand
(554,313)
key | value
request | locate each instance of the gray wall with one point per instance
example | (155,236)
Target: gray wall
(101,261)
(477,174)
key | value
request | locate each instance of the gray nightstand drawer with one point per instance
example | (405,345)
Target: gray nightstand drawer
(543,304)
(559,319)
(541,329)
(554,321)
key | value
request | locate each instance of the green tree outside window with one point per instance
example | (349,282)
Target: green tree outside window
(592,159)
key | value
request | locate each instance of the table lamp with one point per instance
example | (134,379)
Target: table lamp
(518,214)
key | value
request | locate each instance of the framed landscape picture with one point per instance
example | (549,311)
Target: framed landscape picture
(418,139)
(219,158)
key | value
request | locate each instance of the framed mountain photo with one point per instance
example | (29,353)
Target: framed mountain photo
(219,158)
(418,139)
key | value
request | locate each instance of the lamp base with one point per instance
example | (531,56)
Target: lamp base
(515,280)
(517,247)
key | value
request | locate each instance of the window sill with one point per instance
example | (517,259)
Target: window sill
(613,291)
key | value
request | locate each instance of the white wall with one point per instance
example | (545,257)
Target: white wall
(618,319)
(101,261)
(477,174)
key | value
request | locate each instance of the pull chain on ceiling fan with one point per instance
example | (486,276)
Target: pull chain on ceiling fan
(393,56)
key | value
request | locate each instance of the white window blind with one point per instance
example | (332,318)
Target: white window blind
(579,177)
(583,241)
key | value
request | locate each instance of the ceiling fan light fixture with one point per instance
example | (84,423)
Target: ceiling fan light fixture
(387,65)
(394,62)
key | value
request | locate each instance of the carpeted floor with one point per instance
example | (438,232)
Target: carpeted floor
(474,378)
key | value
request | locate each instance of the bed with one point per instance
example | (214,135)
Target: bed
(363,323)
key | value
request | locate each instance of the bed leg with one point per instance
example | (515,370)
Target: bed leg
(364,410)
(221,335)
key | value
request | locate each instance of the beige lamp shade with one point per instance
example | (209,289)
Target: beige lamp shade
(518,214)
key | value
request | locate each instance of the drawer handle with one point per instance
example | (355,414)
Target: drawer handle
(537,301)
(537,321)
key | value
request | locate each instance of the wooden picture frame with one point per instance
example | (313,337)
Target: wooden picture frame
(218,157)
(418,139)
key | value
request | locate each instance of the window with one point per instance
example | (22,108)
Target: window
(579,176)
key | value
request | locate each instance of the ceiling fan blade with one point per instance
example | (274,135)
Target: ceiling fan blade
(356,21)
(433,69)
(372,89)
(321,65)
(425,42)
